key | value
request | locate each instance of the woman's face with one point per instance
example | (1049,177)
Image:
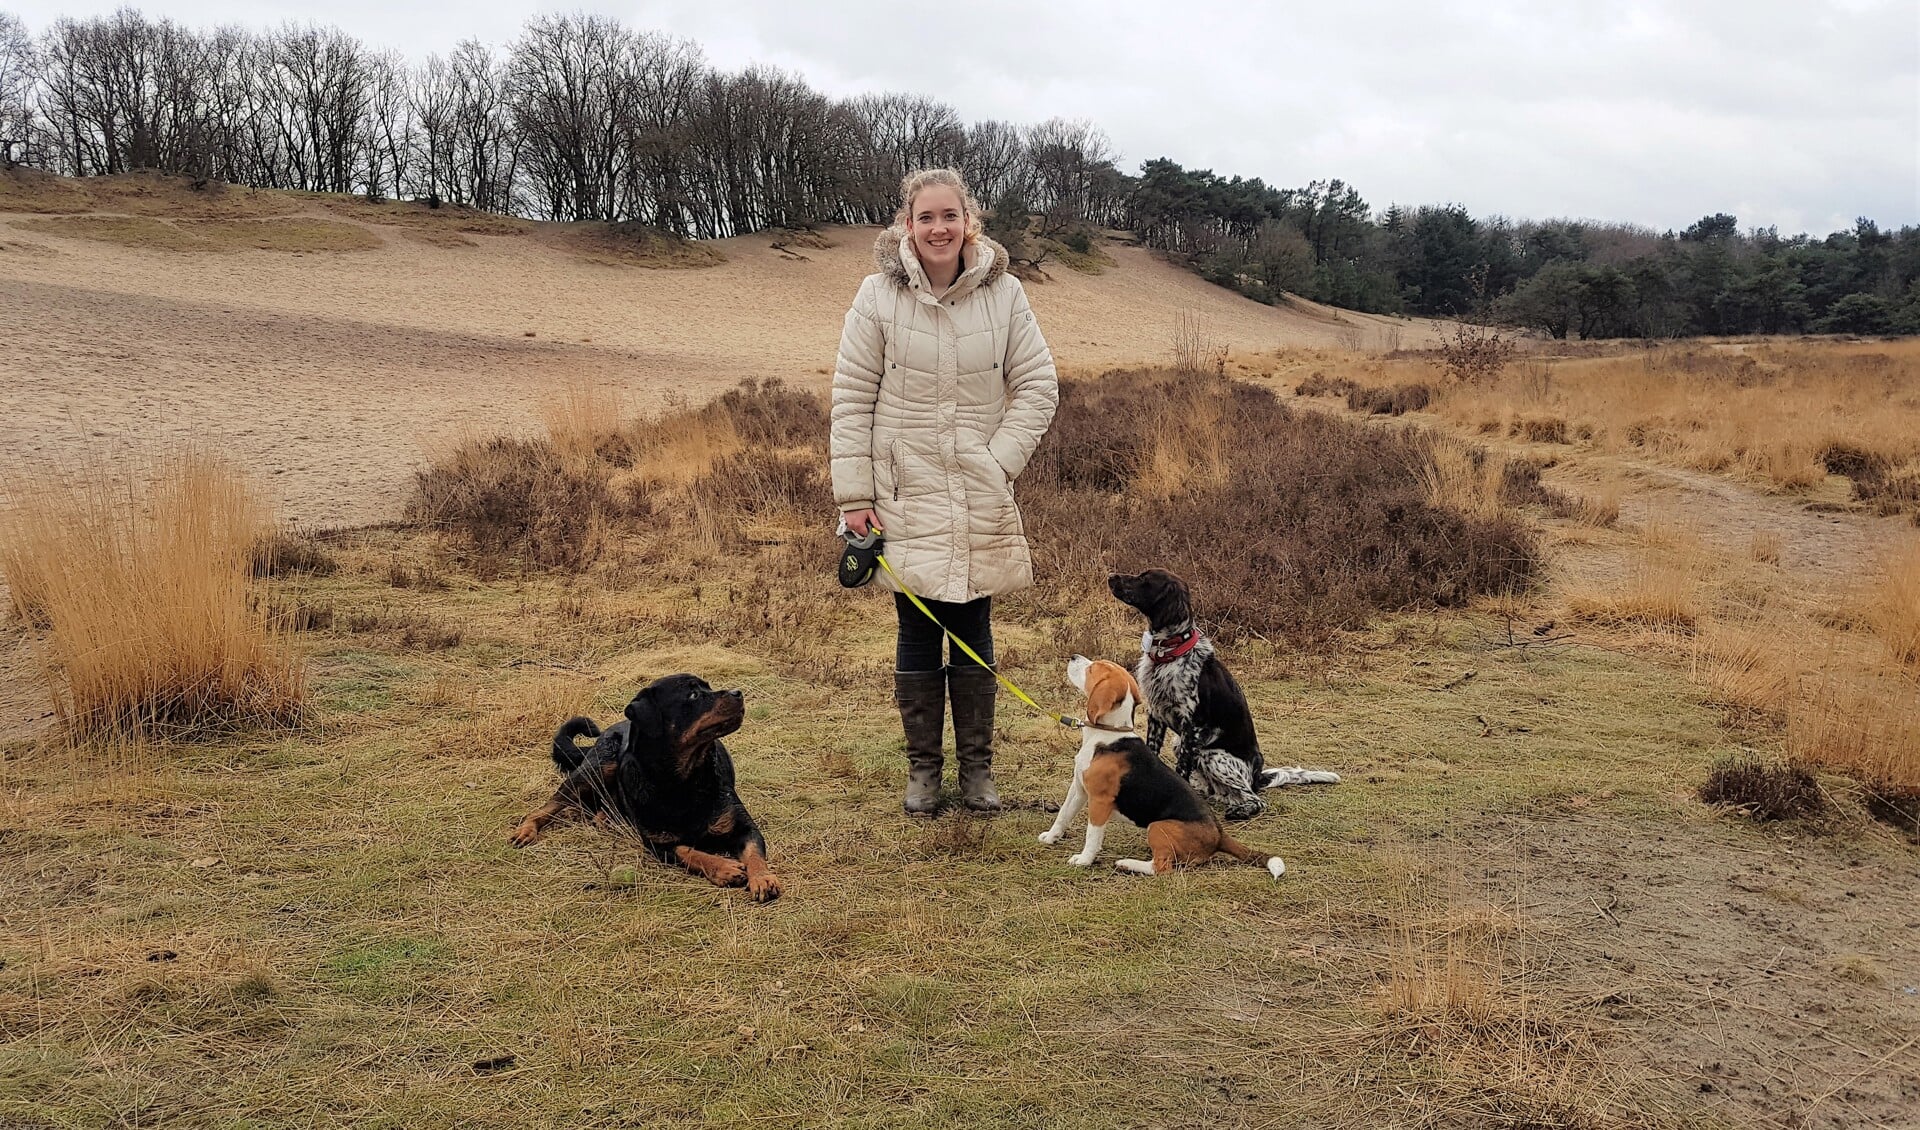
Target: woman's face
(938,225)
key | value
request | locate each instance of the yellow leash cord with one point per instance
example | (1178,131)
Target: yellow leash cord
(1069,722)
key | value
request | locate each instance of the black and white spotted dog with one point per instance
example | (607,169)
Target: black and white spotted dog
(1191,693)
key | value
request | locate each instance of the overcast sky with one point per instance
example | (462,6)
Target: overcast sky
(1797,113)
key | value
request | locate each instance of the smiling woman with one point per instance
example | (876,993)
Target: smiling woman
(944,387)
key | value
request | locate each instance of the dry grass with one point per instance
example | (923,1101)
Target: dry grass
(1746,668)
(332,968)
(1772,411)
(1662,589)
(1184,451)
(579,415)
(1765,547)
(447,222)
(1464,479)
(1894,609)
(1868,731)
(297,234)
(1597,509)
(156,625)
(633,245)
(138,194)
(1462,998)
(320,891)
(127,231)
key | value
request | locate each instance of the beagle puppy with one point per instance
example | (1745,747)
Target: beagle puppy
(1115,772)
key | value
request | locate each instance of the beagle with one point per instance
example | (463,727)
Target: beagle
(1114,772)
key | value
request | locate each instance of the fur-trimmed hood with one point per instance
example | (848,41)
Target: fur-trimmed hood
(893,256)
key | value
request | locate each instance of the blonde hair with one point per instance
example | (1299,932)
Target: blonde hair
(911,185)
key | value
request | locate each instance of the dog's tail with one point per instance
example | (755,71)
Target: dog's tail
(567,753)
(1294,775)
(1273,863)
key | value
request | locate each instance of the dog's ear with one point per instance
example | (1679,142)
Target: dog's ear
(1133,685)
(1171,602)
(649,730)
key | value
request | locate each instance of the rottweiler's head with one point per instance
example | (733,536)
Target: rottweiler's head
(1157,594)
(677,719)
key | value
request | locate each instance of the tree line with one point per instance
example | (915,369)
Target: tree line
(583,118)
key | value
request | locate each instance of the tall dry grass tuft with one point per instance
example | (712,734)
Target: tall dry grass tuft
(1464,479)
(580,415)
(1746,668)
(1662,589)
(1894,610)
(1184,451)
(1860,730)
(1490,1049)
(156,627)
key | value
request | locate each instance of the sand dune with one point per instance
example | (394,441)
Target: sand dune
(329,374)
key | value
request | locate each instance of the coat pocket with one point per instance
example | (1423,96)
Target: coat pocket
(886,473)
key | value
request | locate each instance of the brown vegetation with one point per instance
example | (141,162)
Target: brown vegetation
(1895,609)
(1313,524)
(280,234)
(138,194)
(635,245)
(1763,790)
(156,628)
(1787,414)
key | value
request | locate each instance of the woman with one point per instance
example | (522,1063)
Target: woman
(943,390)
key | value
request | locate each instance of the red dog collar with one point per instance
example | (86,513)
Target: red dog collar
(1167,654)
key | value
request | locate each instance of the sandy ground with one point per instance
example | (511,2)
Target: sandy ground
(330,374)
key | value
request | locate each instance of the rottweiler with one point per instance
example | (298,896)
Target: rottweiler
(664,774)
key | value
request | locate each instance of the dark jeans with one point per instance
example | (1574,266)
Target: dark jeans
(920,639)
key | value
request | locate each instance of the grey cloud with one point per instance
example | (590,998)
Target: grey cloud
(1801,113)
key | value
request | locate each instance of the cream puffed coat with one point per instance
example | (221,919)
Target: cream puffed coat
(938,403)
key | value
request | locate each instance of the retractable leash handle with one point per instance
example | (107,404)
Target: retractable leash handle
(862,555)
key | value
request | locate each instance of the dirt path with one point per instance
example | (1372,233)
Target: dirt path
(1823,553)
(1772,979)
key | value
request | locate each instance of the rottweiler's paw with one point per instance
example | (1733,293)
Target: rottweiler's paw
(525,835)
(763,887)
(727,873)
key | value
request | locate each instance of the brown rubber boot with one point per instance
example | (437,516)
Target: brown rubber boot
(973,689)
(922,698)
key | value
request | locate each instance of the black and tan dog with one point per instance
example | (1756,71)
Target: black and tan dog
(664,774)
(1114,772)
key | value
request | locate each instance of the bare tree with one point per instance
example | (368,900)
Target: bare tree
(18,66)
(387,126)
(485,147)
(323,79)
(572,88)
(996,163)
(1069,159)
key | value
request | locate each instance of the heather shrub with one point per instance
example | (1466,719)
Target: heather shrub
(1291,523)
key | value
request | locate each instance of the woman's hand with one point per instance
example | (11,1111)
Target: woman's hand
(860,521)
